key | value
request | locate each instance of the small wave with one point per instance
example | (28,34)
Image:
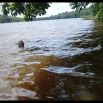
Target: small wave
(23,92)
(69,71)
(97,48)
(60,70)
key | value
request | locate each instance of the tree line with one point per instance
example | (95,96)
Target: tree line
(96,8)
(30,10)
(8,19)
(74,14)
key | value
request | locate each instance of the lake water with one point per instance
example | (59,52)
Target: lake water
(62,60)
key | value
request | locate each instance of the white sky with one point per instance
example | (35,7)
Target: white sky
(57,7)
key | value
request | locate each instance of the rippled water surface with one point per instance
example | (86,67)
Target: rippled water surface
(62,60)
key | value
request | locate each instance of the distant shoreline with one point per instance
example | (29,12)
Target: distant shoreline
(48,18)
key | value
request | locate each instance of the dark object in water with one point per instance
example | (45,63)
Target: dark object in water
(21,44)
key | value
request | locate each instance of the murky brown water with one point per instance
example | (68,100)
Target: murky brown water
(62,60)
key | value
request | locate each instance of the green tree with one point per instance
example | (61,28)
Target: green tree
(28,9)
(78,5)
(97,8)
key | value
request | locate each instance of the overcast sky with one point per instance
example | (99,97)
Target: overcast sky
(55,8)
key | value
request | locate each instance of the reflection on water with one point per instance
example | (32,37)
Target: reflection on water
(61,60)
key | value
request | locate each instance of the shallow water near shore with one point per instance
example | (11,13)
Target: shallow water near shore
(62,60)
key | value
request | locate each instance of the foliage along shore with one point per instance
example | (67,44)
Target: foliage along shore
(9,19)
(31,10)
(85,13)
